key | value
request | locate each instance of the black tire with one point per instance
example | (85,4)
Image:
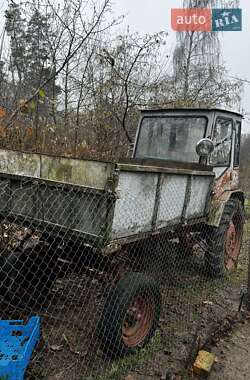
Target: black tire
(113,325)
(27,277)
(216,256)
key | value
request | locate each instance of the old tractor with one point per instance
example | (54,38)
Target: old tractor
(181,183)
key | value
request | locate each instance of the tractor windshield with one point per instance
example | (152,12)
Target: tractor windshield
(170,138)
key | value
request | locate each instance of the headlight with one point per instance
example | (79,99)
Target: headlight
(204,147)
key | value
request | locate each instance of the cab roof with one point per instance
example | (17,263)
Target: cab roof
(210,110)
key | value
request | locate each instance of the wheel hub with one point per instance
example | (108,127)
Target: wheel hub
(137,322)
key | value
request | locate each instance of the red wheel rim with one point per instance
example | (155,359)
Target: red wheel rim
(137,322)
(232,246)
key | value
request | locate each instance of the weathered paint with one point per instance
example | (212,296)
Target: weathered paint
(149,198)
(81,172)
(84,212)
(20,163)
(199,194)
(64,208)
(160,169)
(135,207)
(151,201)
(172,197)
(61,169)
(219,171)
(228,181)
(225,186)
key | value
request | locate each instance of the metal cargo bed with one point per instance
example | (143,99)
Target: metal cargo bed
(101,202)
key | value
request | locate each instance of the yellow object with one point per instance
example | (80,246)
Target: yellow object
(203,363)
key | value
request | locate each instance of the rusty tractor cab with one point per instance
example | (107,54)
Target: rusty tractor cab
(201,139)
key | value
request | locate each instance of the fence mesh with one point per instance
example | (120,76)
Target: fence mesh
(120,289)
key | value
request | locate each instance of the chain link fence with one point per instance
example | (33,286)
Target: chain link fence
(122,288)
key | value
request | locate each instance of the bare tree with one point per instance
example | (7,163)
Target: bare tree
(130,68)
(199,74)
(75,40)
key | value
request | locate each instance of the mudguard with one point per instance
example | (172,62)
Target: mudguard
(218,205)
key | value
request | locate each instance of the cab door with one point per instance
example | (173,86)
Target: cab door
(222,136)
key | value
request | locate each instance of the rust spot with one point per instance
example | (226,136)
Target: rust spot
(229,181)
(138,321)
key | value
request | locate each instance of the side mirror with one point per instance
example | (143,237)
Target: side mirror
(204,147)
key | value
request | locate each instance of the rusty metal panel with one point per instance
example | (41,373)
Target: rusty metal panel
(134,210)
(167,168)
(156,163)
(172,198)
(61,169)
(198,196)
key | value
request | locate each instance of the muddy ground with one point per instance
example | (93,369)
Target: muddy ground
(232,355)
(194,306)
(215,328)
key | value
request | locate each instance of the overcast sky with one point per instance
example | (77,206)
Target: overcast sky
(154,15)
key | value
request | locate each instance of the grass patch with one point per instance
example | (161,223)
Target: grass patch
(198,291)
(121,367)
(247,202)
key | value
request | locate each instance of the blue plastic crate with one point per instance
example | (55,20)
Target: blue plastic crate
(17,342)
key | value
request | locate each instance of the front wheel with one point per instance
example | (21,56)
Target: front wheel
(131,314)
(224,242)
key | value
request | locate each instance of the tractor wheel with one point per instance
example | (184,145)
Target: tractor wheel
(224,242)
(131,315)
(27,277)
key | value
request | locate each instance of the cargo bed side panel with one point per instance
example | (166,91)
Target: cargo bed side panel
(134,209)
(199,192)
(151,199)
(80,172)
(172,196)
(87,173)
(57,207)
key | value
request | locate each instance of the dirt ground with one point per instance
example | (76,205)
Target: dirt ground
(233,355)
(193,307)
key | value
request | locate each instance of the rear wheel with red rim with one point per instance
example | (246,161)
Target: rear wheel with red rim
(232,245)
(224,242)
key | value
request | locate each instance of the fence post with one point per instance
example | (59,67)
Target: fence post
(248,273)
